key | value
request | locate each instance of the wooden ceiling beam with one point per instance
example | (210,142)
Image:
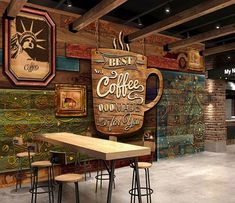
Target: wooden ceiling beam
(95,13)
(14,7)
(219,49)
(202,9)
(226,30)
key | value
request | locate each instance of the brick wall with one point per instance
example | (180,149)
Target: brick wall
(215,111)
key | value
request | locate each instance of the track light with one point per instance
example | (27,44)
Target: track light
(217,27)
(69,4)
(139,22)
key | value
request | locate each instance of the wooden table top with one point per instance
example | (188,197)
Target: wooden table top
(96,147)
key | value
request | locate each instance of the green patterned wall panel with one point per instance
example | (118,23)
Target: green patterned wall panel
(27,113)
(180,127)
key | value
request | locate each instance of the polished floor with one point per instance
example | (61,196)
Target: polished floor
(200,178)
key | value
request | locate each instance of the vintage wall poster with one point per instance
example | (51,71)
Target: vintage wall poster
(29,48)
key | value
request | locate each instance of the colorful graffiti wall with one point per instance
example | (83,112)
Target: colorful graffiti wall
(180,122)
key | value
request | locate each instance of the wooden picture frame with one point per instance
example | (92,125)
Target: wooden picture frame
(29,48)
(71,100)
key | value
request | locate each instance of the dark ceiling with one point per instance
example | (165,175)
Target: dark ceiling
(141,13)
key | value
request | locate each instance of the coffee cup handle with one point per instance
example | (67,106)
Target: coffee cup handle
(160,87)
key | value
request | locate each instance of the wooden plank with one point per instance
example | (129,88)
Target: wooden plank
(226,30)
(1,58)
(14,7)
(182,17)
(96,12)
(84,52)
(67,64)
(219,49)
(99,148)
(79,51)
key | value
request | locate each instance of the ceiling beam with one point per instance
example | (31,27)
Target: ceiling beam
(226,30)
(95,13)
(148,11)
(202,9)
(219,49)
(14,7)
(216,20)
(60,3)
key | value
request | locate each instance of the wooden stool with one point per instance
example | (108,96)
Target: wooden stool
(19,173)
(147,191)
(68,178)
(35,166)
(22,152)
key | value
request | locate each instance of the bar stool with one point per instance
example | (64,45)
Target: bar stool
(35,167)
(68,178)
(21,156)
(147,190)
(19,174)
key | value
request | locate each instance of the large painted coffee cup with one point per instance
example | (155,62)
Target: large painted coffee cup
(119,90)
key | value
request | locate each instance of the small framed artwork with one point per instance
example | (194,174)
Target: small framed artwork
(29,48)
(182,61)
(71,100)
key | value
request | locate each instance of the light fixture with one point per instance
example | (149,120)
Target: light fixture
(217,27)
(229,57)
(167,9)
(139,22)
(69,4)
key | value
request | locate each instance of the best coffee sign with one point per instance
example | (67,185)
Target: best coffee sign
(119,89)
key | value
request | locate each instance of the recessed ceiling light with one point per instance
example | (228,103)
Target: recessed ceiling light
(229,57)
(167,10)
(217,27)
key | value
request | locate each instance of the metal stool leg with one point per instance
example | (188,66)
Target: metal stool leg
(52,181)
(33,184)
(36,184)
(60,193)
(49,184)
(146,183)
(77,192)
(150,198)
(132,185)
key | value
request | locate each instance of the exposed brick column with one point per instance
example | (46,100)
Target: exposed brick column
(215,116)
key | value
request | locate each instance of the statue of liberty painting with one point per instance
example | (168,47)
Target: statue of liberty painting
(29,49)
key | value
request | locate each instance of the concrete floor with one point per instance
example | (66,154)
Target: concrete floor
(199,178)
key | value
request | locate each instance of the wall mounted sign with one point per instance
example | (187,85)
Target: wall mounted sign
(195,61)
(71,100)
(119,89)
(226,73)
(29,48)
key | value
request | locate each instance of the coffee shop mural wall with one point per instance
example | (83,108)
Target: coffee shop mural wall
(27,111)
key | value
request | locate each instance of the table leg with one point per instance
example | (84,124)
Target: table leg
(111,179)
(137,179)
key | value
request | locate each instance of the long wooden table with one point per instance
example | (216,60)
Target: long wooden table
(102,149)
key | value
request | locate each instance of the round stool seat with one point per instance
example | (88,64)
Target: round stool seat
(24,154)
(143,165)
(70,177)
(41,164)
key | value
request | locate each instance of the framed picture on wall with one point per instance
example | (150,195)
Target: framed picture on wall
(71,100)
(29,48)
